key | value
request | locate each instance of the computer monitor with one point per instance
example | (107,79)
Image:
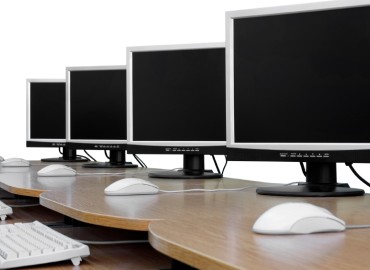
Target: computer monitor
(96,112)
(46,117)
(298,86)
(176,99)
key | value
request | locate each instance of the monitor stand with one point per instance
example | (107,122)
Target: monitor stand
(117,159)
(193,169)
(321,181)
(69,155)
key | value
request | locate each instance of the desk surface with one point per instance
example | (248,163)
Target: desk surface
(206,230)
(85,201)
(221,237)
(83,198)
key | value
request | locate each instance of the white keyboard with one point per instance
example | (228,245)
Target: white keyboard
(24,244)
(5,210)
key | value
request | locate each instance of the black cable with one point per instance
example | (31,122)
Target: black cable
(60,151)
(214,160)
(89,155)
(357,175)
(142,161)
(225,164)
(139,160)
(106,154)
(303,168)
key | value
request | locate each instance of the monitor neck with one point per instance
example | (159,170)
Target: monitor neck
(321,173)
(69,154)
(117,156)
(193,164)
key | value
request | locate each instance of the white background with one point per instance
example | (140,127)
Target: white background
(39,38)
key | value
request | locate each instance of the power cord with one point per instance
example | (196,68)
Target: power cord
(89,155)
(356,174)
(358,226)
(214,160)
(204,190)
(102,173)
(213,190)
(106,154)
(303,168)
(140,161)
(226,160)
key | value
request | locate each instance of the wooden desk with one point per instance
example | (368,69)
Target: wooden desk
(207,230)
(222,237)
(85,201)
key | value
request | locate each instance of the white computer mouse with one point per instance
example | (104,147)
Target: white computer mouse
(15,162)
(56,170)
(131,186)
(297,218)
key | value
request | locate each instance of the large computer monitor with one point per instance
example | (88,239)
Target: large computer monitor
(176,99)
(46,117)
(96,112)
(298,83)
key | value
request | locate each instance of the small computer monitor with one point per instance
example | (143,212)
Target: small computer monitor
(46,117)
(298,86)
(96,112)
(176,99)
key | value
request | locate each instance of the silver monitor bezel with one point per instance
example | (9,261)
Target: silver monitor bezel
(28,110)
(277,10)
(129,51)
(68,111)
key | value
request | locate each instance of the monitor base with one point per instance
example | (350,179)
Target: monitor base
(193,168)
(61,159)
(181,174)
(109,165)
(311,190)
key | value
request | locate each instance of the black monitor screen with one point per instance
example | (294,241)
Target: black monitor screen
(47,110)
(179,95)
(303,77)
(98,104)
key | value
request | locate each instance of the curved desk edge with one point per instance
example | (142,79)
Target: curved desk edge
(22,191)
(96,219)
(182,253)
